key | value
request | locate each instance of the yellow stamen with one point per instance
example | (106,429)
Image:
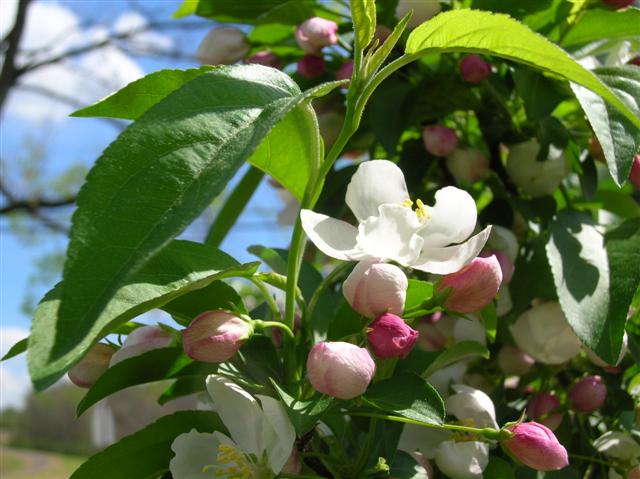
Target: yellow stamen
(408,203)
(422,210)
(232,463)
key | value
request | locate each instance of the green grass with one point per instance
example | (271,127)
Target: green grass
(29,464)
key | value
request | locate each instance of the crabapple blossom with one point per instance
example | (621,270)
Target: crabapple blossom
(536,446)
(315,33)
(474,69)
(215,336)
(468,165)
(140,341)
(471,405)
(93,365)
(223,46)
(439,140)
(473,287)
(588,394)
(462,460)
(390,337)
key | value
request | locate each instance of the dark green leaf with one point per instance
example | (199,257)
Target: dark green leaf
(498,469)
(540,94)
(409,396)
(17,349)
(290,12)
(183,266)
(600,23)
(455,353)
(387,113)
(619,137)
(271,257)
(146,453)
(260,360)
(304,414)
(405,467)
(183,386)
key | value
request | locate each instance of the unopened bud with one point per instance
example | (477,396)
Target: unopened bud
(544,408)
(468,165)
(140,341)
(474,69)
(535,446)
(345,72)
(266,58)
(439,140)
(315,33)
(341,370)
(223,46)
(514,362)
(373,289)
(473,287)
(92,365)
(544,333)
(215,336)
(506,265)
(634,174)
(536,178)
(423,10)
(588,394)
(618,4)
(311,66)
(635,61)
(390,337)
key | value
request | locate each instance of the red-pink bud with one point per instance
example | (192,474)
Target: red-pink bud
(588,394)
(390,337)
(439,140)
(474,286)
(618,4)
(634,175)
(215,336)
(506,265)
(543,408)
(536,446)
(635,61)
(634,473)
(140,341)
(92,365)
(373,289)
(315,33)
(311,66)
(345,72)
(514,361)
(342,370)
(468,165)
(266,58)
(474,69)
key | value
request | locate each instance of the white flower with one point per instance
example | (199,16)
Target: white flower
(462,460)
(470,405)
(434,239)
(618,445)
(261,438)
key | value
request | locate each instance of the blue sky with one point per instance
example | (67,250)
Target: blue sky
(31,118)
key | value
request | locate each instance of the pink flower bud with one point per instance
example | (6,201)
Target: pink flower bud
(634,174)
(311,66)
(390,337)
(514,362)
(474,286)
(536,446)
(474,69)
(506,265)
(617,4)
(215,336)
(266,58)
(345,72)
(468,165)
(140,341)
(223,46)
(373,289)
(588,394)
(315,33)
(439,140)
(342,370)
(635,61)
(92,365)
(543,408)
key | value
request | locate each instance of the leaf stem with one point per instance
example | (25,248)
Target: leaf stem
(274,324)
(275,311)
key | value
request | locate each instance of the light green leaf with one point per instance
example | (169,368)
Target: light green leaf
(500,35)
(363,13)
(304,414)
(146,453)
(181,267)
(619,137)
(601,23)
(409,396)
(417,293)
(188,7)
(455,353)
(376,58)
(595,276)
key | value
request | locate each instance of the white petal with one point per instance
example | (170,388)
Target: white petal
(471,403)
(391,235)
(193,452)
(452,218)
(333,237)
(283,433)
(239,412)
(451,258)
(462,460)
(442,378)
(469,330)
(375,183)
(419,438)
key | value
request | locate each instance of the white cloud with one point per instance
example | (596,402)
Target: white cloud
(14,380)
(9,336)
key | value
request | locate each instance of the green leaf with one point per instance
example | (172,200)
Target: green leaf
(409,396)
(183,266)
(596,24)
(304,414)
(455,353)
(270,34)
(498,469)
(181,387)
(17,349)
(595,276)
(387,112)
(489,318)
(363,13)
(405,467)
(260,361)
(376,58)
(500,35)
(619,137)
(154,365)
(417,293)
(539,93)
(188,7)
(289,12)
(146,453)
(137,97)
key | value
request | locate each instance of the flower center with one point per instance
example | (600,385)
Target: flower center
(422,210)
(231,464)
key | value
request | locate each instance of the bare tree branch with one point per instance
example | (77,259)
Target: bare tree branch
(9,73)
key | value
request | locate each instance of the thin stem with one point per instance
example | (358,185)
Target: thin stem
(326,282)
(366,450)
(275,324)
(273,306)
